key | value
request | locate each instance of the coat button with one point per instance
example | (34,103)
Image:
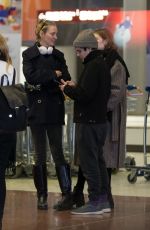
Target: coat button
(39,101)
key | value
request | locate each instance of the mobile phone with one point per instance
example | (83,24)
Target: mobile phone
(58,82)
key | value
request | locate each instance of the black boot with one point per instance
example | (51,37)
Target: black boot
(77,197)
(40,181)
(64,178)
(110,197)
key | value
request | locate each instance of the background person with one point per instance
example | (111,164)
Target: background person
(7,139)
(44,66)
(114,148)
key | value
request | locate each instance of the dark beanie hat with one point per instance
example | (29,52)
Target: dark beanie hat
(85,39)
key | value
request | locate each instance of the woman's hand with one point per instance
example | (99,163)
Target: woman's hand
(64,83)
(58,73)
(71,83)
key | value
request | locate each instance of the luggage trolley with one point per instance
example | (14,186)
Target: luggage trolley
(25,148)
(23,155)
(145,169)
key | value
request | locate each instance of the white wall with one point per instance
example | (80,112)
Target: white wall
(71,59)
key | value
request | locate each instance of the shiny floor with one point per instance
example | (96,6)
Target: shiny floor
(132,206)
(21,214)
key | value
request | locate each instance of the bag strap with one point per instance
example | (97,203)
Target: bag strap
(3,78)
(14,77)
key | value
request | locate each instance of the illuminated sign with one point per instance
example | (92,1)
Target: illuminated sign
(77,15)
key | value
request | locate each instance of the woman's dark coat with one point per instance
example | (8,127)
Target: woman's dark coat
(46,103)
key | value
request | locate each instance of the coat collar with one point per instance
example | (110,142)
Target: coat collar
(92,55)
(33,51)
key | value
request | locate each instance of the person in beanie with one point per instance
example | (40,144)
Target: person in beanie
(114,148)
(90,95)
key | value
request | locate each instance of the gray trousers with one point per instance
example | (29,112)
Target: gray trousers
(90,142)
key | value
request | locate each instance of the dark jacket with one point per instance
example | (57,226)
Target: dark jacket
(92,91)
(46,104)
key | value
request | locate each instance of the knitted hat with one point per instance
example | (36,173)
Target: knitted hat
(85,39)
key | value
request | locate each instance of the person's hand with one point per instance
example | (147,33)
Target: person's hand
(58,73)
(70,83)
(62,85)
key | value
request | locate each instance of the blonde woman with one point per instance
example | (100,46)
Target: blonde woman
(44,66)
(7,140)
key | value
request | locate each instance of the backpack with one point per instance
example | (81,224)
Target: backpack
(13,106)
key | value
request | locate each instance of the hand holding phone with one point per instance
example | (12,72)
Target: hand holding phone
(58,73)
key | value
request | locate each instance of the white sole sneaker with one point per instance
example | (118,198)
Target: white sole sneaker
(87,213)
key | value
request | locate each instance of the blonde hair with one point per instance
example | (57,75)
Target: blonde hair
(106,35)
(42,25)
(4,51)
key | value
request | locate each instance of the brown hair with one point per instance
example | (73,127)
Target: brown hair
(42,25)
(108,36)
(4,51)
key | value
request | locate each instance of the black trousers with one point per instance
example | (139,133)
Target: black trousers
(90,142)
(7,148)
(54,134)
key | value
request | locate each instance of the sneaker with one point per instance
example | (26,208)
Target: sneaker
(88,208)
(105,206)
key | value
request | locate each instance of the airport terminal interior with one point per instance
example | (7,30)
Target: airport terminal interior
(128,20)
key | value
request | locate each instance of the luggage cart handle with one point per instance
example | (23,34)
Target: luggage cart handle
(147,88)
(131,87)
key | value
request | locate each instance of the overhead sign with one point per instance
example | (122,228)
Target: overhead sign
(77,15)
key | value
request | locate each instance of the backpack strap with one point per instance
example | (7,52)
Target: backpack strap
(3,77)
(14,77)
